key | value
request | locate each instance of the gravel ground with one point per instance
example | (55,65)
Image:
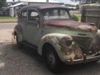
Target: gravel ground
(14,61)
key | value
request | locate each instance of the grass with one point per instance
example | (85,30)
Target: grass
(7,19)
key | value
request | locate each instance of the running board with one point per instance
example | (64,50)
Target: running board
(29,45)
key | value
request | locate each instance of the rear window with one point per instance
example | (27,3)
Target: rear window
(22,14)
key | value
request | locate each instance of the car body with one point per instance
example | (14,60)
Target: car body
(51,30)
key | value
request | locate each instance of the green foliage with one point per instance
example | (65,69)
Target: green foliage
(2,3)
(75,17)
(7,19)
(77,6)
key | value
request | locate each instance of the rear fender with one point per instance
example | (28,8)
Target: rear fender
(18,32)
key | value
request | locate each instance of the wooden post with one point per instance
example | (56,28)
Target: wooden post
(18,0)
(47,1)
(83,18)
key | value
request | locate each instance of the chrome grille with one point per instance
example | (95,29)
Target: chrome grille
(83,42)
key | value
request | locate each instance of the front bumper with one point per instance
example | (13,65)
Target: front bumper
(84,60)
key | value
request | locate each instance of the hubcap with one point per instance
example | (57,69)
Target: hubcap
(51,59)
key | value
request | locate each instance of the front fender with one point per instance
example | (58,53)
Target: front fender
(96,41)
(98,34)
(54,39)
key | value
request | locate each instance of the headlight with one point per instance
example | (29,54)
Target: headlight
(70,49)
(66,41)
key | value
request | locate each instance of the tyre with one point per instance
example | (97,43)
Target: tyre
(52,59)
(18,42)
(95,61)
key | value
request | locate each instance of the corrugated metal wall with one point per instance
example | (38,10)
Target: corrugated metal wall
(91,14)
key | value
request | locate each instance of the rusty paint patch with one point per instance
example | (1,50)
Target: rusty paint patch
(55,37)
(69,24)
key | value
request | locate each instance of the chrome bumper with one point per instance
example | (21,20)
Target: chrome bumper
(84,60)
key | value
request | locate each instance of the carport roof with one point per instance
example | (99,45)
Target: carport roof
(44,6)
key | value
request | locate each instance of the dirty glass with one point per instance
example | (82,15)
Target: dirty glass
(56,14)
(24,14)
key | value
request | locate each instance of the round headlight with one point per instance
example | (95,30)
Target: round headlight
(68,42)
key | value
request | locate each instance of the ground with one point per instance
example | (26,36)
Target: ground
(15,61)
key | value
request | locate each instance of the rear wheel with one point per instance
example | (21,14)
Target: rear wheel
(18,42)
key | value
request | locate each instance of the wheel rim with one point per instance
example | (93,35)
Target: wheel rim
(51,59)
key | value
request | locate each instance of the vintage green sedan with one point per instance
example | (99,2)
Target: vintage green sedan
(52,31)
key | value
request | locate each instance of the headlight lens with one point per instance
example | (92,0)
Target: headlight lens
(68,42)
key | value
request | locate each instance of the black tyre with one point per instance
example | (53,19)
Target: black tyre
(18,42)
(52,59)
(95,61)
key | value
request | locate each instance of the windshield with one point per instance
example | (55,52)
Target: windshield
(55,14)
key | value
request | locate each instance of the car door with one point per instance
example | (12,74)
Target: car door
(33,27)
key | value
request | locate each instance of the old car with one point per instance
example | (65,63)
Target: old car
(54,34)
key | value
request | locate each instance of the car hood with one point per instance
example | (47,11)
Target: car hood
(70,24)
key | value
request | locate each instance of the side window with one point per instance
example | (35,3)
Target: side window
(47,15)
(63,13)
(33,15)
(23,14)
(55,13)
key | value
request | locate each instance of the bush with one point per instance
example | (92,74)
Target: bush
(75,17)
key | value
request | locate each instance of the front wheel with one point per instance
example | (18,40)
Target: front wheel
(52,59)
(96,61)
